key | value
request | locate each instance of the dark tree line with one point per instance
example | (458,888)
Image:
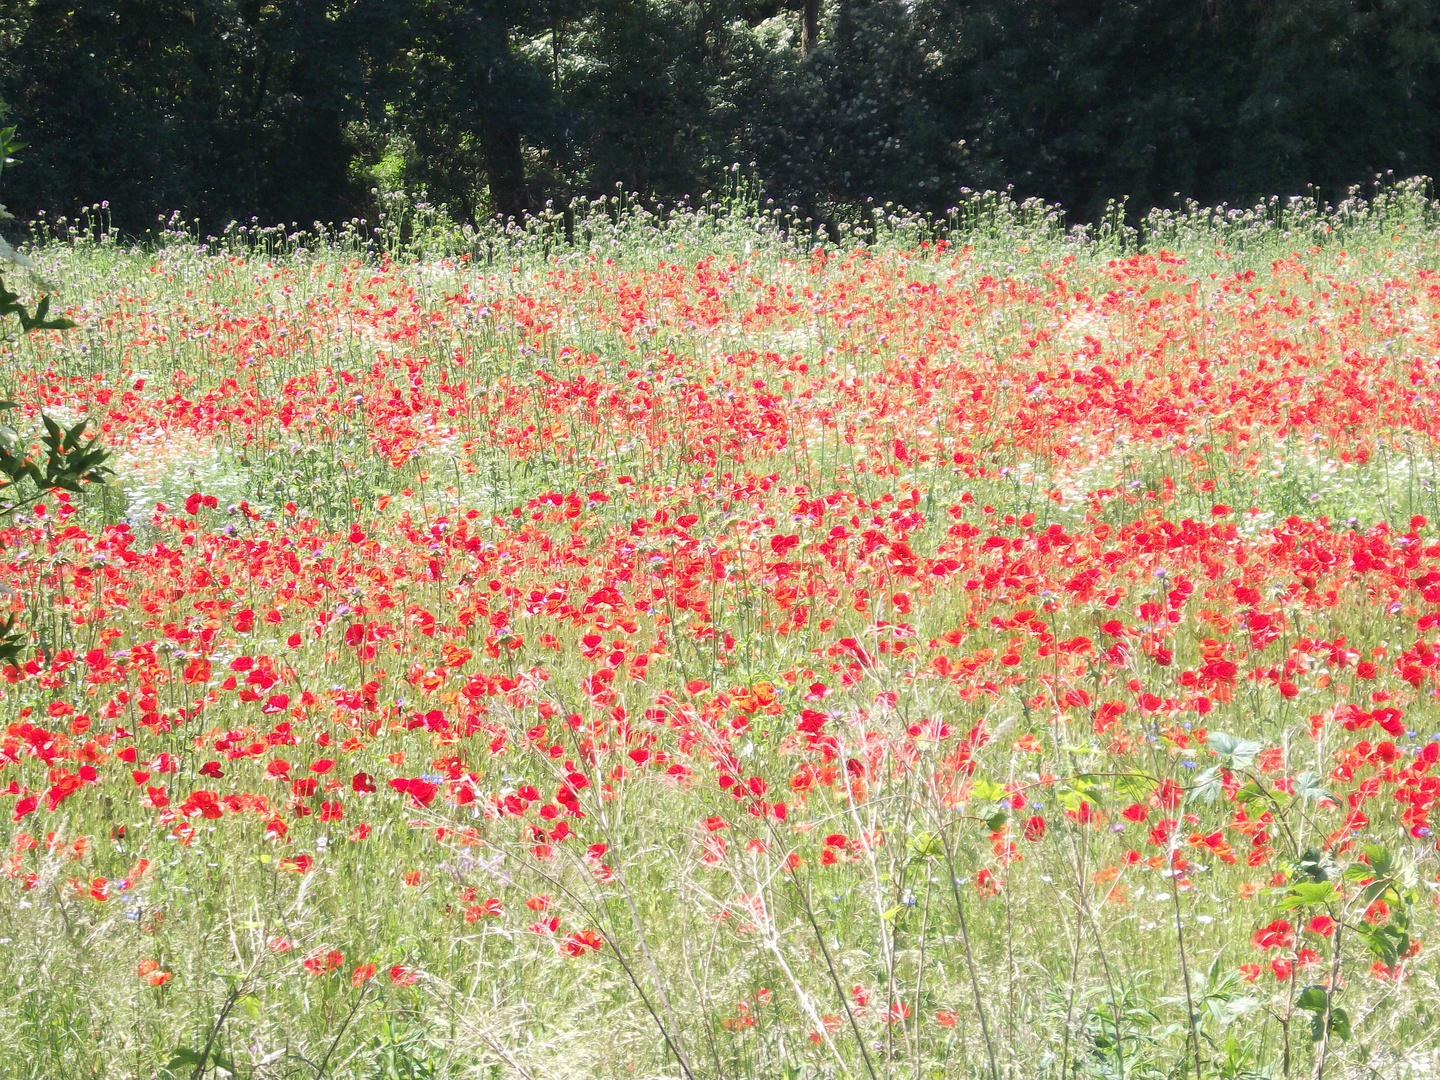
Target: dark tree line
(294,110)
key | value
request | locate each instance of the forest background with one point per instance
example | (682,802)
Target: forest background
(300,111)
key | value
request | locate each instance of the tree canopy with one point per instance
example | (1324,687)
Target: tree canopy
(296,110)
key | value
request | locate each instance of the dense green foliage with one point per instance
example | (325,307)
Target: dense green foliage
(298,110)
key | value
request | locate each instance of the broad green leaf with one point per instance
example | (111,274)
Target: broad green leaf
(1207,787)
(1251,792)
(1136,788)
(1315,865)
(1307,786)
(1305,893)
(925,846)
(1374,891)
(1382,863)
(987,791)
(1384,942)
(183,1061)
(1234,752)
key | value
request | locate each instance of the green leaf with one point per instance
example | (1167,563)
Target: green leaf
(1374,891)
(987,791)
(1339,1025)
(1382,863)
(1307,786)
(1136,788)
(1315,865)
(1233,752)
(1207,787)
(1305,893)
(1226,1012)
(1087,790)
(12,641)
(1385,943)
(183,1062)
(1251,792)
(925,846)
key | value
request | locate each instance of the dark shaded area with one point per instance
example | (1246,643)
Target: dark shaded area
(294,110)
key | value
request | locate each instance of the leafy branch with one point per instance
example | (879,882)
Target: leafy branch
(67,461)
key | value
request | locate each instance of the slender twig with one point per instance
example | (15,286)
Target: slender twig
(611,940)
(970,958)
(1070,1005)
(235,994)
(834,977)
(1333,988)
(325,1061)
(1184,965)
(920,971)
(496,1047)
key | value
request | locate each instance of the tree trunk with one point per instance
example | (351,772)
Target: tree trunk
(505,170)
(809,27)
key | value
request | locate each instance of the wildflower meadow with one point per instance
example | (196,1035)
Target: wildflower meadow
(675,643)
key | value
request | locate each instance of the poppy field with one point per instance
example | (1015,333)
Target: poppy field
(680,650)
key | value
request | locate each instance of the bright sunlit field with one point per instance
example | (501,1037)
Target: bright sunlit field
(691,652)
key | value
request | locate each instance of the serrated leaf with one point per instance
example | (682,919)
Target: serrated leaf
(1384,945)
(925,846)
(1234,752)
(1251,792)
(1307,786)
(1304,893)
(1136,788)
(1207,787)
(1315,865)
(1374,891)
(987,791)
(182,1058)
(1381,861)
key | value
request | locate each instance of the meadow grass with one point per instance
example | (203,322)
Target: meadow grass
(680,643)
